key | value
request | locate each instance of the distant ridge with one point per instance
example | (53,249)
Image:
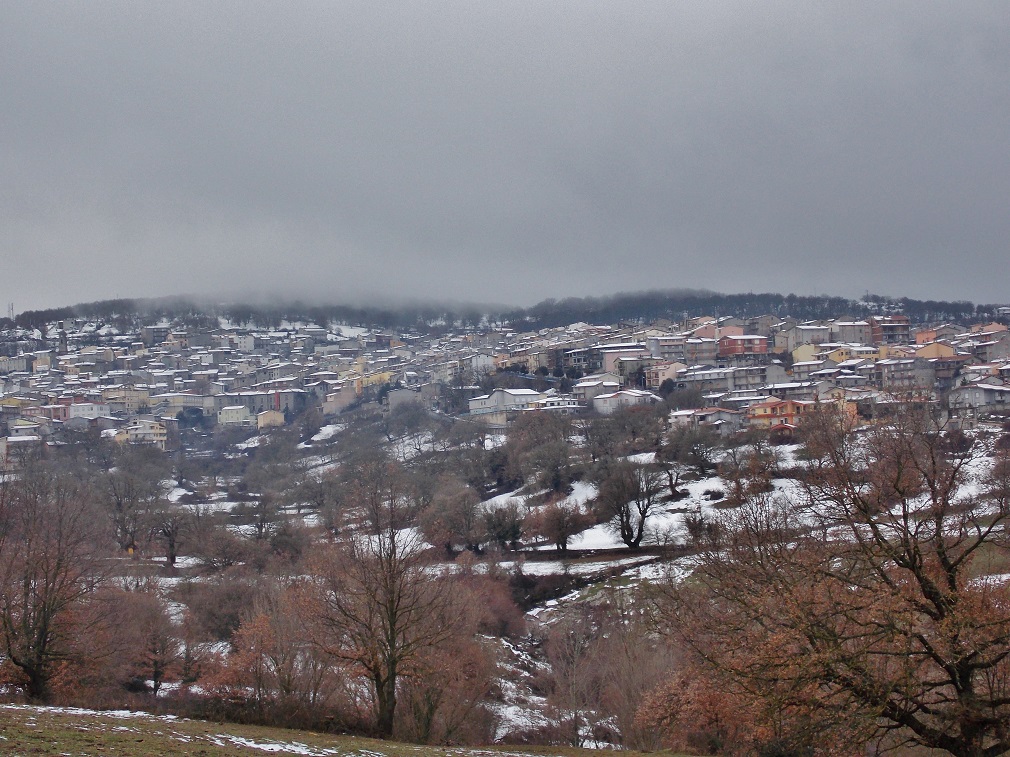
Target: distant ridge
(428,317)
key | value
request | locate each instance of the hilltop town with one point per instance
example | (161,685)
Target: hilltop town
(170,386)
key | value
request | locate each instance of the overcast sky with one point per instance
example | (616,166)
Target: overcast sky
(503,151)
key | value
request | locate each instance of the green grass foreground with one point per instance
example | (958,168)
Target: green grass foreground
(66,731)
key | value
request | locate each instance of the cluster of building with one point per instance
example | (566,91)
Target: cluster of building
(147,386)
(766,371)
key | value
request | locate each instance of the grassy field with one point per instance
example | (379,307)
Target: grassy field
(57,731)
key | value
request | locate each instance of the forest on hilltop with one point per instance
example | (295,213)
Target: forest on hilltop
(433,317)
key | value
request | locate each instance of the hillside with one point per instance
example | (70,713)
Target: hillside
(53,730)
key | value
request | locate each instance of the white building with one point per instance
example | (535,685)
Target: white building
(144,431)
(504,400)
(88,410)
(235,415)
(605,404)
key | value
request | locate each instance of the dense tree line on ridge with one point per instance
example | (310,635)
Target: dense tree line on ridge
(434,318)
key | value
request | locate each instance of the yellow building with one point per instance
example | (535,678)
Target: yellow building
(371,379)
(269,419)
(143,431)
(935,350)
(134,400)
(807,352)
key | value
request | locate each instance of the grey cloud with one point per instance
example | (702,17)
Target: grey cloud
(505,151)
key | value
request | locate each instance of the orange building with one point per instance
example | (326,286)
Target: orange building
(771,413)
(789,413)
(742,344)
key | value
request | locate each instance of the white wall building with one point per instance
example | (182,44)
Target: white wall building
(605,404)
(88,410)
(503,400)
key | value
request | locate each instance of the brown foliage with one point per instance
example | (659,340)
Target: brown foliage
(50,552)
(150,646)
(604,661)
(558,521)
(442,700)
(275,673)
(856,613)
(697,711)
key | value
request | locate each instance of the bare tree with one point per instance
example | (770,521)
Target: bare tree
(505,525)
(453,516)
(275,667)
(379,491)
(575,687)
(628,496)
(381,610)
(169,525)
(132,488)
(747,469)
(685,450)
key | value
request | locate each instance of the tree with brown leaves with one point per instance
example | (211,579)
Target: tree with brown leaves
(50,565)
(864,608)
(559,521)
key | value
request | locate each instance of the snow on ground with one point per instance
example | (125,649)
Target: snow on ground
(285,747)
(547,613)
(312,520)
(788,456)
(493,441)
(325,467)
(315,462)
(181,561)
(328,432)
(516,718)
(409,540)
(350,331)
(664,524)
(248,530)
(670,570)
(217,739)
(789,488)
(176,611)
(220,506)
(643,458)
(582,492)
(501,500)
(119,714)
(409,447)
(176,493)
(573,567)
(597,537)
(519,709)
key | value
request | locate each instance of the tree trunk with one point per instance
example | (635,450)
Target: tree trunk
(37,689)
(385,704)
